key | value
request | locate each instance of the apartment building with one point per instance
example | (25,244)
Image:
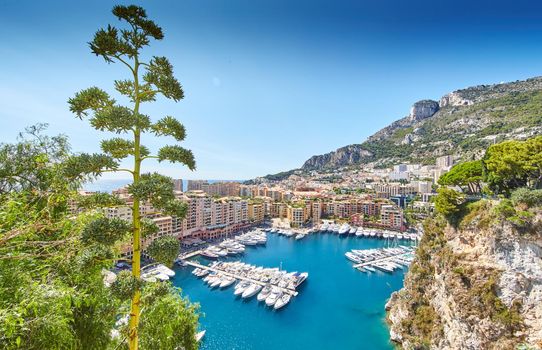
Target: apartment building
(256,212)
(391,216)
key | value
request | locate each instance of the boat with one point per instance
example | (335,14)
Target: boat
(200,335)
(241,287)
(208,255)
(301,277)
(227,281)
(252,290)
(273,297)
(282,301)
(353,257)
(359,232)
(369,268)
(300,236)
(344,229)
(264,293)
(352,230)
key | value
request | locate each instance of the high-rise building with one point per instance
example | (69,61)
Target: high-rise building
(178,184)
(195,185)
(445,162)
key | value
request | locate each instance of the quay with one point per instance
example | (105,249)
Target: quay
(190,255)
(203,267)
(387,258)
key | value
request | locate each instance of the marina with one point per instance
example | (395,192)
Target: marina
(383,259)
(335,296)
(251,274)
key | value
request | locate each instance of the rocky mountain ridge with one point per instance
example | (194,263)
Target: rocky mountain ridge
(461,123)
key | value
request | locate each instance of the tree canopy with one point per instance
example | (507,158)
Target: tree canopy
(467,175)
(514,164)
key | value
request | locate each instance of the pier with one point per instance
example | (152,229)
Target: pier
(384,259)
(203,267)
(189,255)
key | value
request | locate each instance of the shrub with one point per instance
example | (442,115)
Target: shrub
(531,198)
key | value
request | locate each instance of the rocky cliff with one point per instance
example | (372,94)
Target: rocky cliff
(462,123)
(477,286)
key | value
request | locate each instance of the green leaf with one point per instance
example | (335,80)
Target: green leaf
(77,167)
(160,74)
(164,250)
(177,154)
(169,126)
(93,98)
(105,231)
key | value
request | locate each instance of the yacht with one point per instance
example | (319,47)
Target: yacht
(353,257)
(264,293)
(216,282)
(241,287)
(282,301)
(199,336)
(252,290)
(301,277)
(324,227)
(344,229)
(273,297)
(372,233)
(352,230)
(227,281)
(359,232)
(208,255)
(300,236)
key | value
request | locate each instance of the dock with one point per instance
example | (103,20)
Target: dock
(387,258)
(203,267)
(189,255)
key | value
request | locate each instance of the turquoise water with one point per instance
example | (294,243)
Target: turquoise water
(338,307)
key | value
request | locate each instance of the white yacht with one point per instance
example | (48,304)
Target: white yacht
(241,287)
(353,257)
(264,293)
(252,290)
(352,230)
(200,335)
(273,297)
(300,236)
(359,232)
(344,229)
(227,281)
(282,301)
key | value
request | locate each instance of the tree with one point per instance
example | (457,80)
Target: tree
(514,164)
(448,202)
(148,80)
(467,175)
(52,295)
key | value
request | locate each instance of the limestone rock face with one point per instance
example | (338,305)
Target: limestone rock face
(454,99)
(513,259)
(351,154)
(423,110)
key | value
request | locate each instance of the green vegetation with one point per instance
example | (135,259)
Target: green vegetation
(148,80)
(467,175)
(56,246)
(514,164)
(448,202)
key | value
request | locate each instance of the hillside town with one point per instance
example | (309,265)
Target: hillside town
(391,198)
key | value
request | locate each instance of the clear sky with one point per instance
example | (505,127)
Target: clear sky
(267,83)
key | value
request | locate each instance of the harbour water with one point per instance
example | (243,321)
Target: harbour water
(338,307)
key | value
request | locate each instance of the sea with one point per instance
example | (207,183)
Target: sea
(108,185)
(338,307)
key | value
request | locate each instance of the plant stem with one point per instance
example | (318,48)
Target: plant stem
(136,259)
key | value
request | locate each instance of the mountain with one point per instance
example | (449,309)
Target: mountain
(462,123)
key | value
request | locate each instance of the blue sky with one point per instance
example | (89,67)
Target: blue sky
(267,83)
